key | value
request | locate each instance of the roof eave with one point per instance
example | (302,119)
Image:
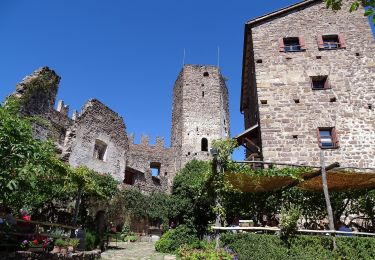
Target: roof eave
(281,11)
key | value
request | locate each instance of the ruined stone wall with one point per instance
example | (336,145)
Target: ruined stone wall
(202,98)
(37,95)
(140,158)
(283,77)
(97,122)
(177,121)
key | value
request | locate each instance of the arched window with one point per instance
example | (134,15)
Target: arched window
(204,145)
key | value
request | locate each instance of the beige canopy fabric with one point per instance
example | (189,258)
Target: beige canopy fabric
(338,180)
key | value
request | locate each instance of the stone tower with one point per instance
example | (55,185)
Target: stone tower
(200,113)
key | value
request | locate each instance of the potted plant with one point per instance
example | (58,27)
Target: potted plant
(63,246)
(72,244)
(35,245)
(59,243)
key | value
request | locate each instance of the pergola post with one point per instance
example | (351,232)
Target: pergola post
(326,196)
(215,170)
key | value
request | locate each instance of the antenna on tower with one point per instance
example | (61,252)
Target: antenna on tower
(183,58)
(218,56)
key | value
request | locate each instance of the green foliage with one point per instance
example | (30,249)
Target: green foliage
(246,169)
(73,242)
(30,174)
(171,240)
(369,6)
(289,221)
(257,246)
(191,188)
(225,149)
(208,253)
(92,240)
(60,242)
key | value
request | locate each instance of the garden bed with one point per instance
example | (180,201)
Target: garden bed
(87,255)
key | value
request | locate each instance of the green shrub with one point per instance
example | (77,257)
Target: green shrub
(91,240)
(204,254)
(258,246)
(174,238)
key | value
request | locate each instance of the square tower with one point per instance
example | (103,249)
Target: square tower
(200,113)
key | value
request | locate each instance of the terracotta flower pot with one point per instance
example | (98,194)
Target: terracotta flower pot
(56,249)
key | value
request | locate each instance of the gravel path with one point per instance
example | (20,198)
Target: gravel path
(134,251)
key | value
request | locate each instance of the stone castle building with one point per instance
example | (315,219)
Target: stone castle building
(96,137)
(308,84)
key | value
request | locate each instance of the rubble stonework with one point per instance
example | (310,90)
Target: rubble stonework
(96,137)
(200,110)
(277,92)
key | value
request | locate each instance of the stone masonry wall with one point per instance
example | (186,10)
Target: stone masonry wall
(141,156)
(283,77)
(98,122)
(203,95)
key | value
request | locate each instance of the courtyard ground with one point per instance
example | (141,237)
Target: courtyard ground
(134,251)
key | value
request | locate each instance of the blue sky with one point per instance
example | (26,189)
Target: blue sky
(126,53)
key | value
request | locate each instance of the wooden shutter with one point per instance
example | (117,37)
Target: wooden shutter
(319,39)
(342,41)
(327,84)
(281,45)
(302,42)
(335,138)
(318,136)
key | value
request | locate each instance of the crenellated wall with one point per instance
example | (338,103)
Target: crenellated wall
(96,137)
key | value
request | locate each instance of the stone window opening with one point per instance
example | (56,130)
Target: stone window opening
(292,44)
(331,42)
(295,136)
(155,168)
(129,177)
(296,101)
(202,93)
(369,106)
(100,150)
(259,61)
(204,145)
(332,100)
(206,74)
(327,138)
(320,83)
(263,102)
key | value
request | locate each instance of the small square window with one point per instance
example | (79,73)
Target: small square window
(155,168)
(292,44)
(327,138)
(320,82)
(331,42)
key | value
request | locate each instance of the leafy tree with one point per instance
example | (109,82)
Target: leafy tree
(191,188)
(30,172)
(369,6)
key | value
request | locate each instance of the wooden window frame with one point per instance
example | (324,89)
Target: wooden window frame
(341,41)
(301,44)
(334,137)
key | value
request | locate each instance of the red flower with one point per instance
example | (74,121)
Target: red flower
(35,241)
